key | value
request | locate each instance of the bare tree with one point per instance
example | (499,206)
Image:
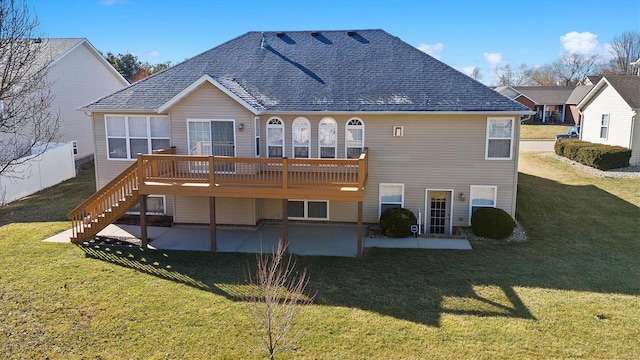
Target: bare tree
(541,76)
(572,69)
(508,76)
(276,301)
(26,120)
(625,49)
(475,74)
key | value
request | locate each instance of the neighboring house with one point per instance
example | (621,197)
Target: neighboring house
(610,112)
(78,74)
(552,104)
(333,126)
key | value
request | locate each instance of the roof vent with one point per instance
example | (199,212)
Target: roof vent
(37,40)
(351,33)
(315,33)
(263,43)
(280,34)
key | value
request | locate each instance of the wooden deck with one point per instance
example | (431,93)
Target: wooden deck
(321,179)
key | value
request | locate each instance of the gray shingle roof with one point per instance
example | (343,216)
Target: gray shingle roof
(53,48)
(365,70)
(628,87)
(579,93)
(546,95)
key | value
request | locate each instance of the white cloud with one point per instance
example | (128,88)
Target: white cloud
(434,50)
(494,59)
(580,43)
(154,54)
(466,69)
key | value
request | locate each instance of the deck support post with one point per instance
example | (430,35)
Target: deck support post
(143,221)
(360,232)
(212,223)
(285,223)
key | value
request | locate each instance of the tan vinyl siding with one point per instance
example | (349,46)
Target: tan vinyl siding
(271,209)
(436,152)
(209,103)
(107,169)
(343,211)
(195,210)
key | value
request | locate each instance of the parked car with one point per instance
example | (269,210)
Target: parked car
(572,133)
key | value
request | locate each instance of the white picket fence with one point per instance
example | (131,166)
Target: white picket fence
(41,171)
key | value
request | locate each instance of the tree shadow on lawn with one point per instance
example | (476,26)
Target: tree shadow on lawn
(594,249)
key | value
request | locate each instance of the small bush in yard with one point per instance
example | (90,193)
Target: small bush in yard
(604,157)
(396,222)
(492,223)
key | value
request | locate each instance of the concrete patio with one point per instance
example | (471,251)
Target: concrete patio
(304,239)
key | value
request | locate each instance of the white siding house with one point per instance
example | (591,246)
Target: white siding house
(610,114)
(78,74)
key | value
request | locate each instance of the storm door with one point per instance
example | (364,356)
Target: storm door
(438,214)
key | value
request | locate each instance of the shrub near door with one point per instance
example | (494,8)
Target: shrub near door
(396,222)
(492,223)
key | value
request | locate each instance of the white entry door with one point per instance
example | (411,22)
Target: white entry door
(438,215)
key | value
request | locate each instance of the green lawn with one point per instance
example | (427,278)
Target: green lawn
(541,132)
(572,291)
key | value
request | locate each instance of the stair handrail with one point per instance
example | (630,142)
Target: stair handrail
(100,191)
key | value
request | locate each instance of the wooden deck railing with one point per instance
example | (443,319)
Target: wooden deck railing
(274,173)
(324,173)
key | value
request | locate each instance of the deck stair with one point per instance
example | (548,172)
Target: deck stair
(105,206)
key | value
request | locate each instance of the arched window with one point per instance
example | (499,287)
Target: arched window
(275,138)
(301,138)
(354,138)
(327,138)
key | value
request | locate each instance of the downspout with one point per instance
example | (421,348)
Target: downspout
(633,125)
(95,147)
(581,120)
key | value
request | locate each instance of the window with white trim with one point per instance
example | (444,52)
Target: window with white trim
(604,126)
(499,143)
(308,209)
(301,138)
(275,138)
(155,206)
(211,137)
(327,138)
(256,131)
(129,135)
(354,138)
(390,196)
(481,196)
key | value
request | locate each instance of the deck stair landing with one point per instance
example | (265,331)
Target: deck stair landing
(105,206)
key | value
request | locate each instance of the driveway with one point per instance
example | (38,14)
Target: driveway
(537,145)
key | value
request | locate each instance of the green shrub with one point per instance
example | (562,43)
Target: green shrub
(571,148)
(492,223)
(558,147)
(396,222)
(604,157)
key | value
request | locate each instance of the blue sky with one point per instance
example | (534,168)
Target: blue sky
(463,34)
